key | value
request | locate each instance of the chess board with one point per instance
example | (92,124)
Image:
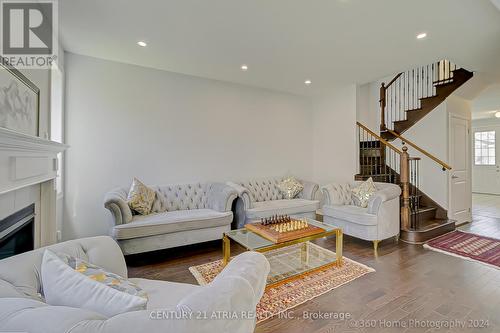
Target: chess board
(269,232)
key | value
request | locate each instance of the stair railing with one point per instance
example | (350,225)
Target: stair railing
(377,158)
(405,90)
(384,162)
(445,166)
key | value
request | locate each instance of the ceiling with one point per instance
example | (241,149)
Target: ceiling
(285,42)
(487,103)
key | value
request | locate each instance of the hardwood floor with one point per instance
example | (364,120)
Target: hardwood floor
(486,215)
(410,285)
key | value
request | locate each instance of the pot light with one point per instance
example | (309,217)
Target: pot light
(497,114)
(422,35)
(142,43)
(244,68)
(307,82)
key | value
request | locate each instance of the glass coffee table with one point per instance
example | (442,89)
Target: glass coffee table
(292,259)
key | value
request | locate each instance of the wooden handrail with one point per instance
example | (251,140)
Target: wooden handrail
(378,137)
(426,153)
(393,80)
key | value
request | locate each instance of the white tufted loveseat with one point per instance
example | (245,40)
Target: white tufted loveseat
(181,215)
(262,198)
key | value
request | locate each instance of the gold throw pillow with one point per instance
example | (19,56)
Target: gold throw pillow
(140,197)
(290,187)
(362,194)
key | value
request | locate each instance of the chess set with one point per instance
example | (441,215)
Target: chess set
(283,228)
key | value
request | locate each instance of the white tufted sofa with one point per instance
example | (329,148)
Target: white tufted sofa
(237,289)
(379,221)
(262,198)
(182,214)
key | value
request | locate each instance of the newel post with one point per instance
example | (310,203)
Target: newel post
(382,107)
(405,184)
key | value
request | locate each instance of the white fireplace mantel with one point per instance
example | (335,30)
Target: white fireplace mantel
(25,161)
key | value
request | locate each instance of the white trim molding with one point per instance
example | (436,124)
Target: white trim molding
(25,161)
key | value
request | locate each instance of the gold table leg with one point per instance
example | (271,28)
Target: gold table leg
(304,255)
(226,250)
(339,243)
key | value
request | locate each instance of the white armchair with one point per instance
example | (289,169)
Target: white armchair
(379,221)
(236,290)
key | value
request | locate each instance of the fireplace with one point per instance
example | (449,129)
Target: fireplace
(17,232)
(27,162)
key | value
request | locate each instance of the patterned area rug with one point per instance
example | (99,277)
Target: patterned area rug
(291,294)
(468,246)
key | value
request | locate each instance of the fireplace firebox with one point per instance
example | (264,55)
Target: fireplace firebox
(17,232)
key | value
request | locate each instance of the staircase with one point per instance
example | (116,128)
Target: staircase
(413,94)
(409,97)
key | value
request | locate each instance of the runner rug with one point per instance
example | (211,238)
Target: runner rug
(293,293)
(468,246)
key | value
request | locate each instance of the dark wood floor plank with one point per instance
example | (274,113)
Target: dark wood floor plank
(410,282)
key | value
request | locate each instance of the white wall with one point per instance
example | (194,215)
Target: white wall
(334,144)
(124,121)
(431,134)
(367,105)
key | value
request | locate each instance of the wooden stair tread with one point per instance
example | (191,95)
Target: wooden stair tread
(422,210)
(433,224)
(427,230)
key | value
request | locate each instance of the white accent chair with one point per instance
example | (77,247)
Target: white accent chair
(237,289)
(262,198)
(379,221)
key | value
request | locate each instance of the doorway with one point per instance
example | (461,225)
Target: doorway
(486,172)
(486,169)
(460,191)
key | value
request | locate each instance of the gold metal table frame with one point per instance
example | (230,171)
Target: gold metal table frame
(226,248)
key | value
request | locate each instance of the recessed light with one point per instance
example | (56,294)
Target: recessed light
(497,114)
(142,43)
(422,35)
(308,82)
(244,68)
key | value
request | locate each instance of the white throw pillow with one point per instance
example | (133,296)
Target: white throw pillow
(361,195)
(290,187)
(69,281)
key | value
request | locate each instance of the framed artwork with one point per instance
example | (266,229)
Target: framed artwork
(19,101)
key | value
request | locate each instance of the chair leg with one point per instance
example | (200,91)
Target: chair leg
(375,245)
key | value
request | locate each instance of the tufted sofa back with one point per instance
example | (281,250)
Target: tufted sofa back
(341,193)
(181,197)
(20,275)
(263,190)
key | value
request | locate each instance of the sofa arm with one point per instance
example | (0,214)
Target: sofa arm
(221,197)
(116,202)
(243,193)
(253,267)
(336,194)
(389,192)
(310,190)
